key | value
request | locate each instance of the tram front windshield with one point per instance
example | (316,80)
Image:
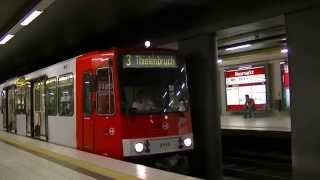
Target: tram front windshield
(152,84)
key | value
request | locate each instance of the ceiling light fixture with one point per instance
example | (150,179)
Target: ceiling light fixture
(147,44)
(238,47)
(245,67)
(284,51)
(6,38)
(30,18)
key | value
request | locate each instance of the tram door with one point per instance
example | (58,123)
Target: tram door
(12,119)
(98,109)
(29,110)
(39,123)
(4,109)
(88,121)
(104,114)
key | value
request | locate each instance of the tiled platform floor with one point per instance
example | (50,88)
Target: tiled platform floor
(274,122)
(73,164)
(16,164)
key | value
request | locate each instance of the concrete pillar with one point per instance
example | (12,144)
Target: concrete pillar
(304,63)
(276,86)
(201,54)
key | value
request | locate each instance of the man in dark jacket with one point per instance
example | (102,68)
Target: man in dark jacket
(249,108)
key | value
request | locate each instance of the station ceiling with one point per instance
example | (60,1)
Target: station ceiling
(71,27)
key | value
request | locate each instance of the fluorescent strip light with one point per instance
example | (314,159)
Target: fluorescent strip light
(245,67)
(284,51)
(6,38)
(30,18)
(238,47)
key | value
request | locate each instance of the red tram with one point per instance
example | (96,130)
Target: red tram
(118,103)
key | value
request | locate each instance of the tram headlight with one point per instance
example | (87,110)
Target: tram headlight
(187,142)
(139,147)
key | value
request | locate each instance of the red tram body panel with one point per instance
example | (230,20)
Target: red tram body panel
(97,133)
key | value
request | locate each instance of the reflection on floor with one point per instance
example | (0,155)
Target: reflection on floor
(274,122)
(19,164)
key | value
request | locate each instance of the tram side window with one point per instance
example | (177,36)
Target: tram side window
(51,96)
(105,92)
(20,100)
(87,84)
(65,95)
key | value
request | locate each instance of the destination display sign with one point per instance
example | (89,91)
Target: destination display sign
(21,81)
(149,61)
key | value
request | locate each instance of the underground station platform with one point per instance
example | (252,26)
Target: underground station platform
(209,88)
(25,158)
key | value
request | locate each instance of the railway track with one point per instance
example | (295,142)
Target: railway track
(257,155)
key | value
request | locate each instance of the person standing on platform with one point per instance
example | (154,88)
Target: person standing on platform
(249,108)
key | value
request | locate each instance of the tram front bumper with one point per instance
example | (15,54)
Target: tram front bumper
(158,145)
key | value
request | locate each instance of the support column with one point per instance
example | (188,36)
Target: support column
(201,54)
(304,63)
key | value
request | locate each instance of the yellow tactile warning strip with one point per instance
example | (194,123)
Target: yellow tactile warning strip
(69,160)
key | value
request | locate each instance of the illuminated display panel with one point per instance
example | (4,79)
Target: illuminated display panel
(149,61)
(242,81)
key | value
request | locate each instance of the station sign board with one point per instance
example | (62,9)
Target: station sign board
(250,81)
(148,61)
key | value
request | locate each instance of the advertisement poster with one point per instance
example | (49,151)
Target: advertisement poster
(246,81)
